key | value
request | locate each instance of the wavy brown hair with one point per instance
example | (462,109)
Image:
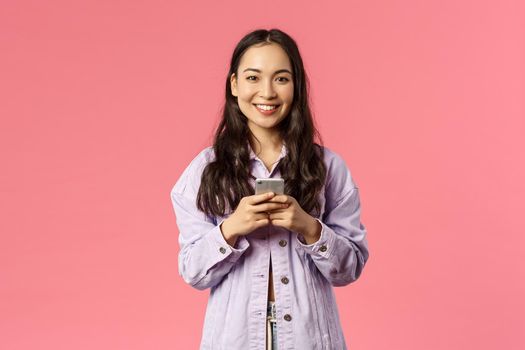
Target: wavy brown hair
(226,180)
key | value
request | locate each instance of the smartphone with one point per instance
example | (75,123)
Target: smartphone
(275,185)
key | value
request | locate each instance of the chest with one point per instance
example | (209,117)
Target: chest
(268,160)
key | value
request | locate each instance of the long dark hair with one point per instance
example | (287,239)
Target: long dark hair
(226,180)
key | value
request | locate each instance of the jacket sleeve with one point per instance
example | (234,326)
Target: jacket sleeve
(204,257)
(341,252)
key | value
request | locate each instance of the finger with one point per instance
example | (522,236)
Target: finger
(276,212)
(277,222)
(282,198)
(270,206)
(276,198)
(261,216)
(258,198)
(262,222)
(266,206)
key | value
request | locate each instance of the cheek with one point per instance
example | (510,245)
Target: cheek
(245,105)
(245,101)
(287,94)
(244,97)
(245,90)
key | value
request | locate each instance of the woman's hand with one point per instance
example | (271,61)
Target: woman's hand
(250,214)
(294,218)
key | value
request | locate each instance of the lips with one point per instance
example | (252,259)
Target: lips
(265,104)
(267,112)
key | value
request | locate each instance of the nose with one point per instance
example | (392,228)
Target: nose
(267,90)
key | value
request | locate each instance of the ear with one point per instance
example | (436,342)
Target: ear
(233,84)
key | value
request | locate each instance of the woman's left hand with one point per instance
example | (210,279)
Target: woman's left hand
(294,218)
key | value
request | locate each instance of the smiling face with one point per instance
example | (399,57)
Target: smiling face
(264,78)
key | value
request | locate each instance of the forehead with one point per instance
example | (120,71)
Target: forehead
(267,58)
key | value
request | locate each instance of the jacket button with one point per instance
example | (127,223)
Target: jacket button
(282,243)
(287,317)
(222,250)
(323,248)
(284,280)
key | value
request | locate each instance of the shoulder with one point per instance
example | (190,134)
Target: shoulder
(330,155)
(191,174)
(339,179)
(199,161)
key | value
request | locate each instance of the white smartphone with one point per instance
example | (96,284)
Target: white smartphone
(275,185)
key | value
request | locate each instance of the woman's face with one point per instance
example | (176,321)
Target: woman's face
(264,77)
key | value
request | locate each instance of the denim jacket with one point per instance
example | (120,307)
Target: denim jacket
(304,274)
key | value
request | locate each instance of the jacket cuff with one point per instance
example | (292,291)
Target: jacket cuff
(323,247)
(222,250)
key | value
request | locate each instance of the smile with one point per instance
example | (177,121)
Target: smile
(266,109)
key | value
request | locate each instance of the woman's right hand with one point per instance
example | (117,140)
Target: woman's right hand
(250,214)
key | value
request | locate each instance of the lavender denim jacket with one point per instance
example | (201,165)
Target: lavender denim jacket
(304,275)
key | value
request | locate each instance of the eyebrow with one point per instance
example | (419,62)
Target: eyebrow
(276,72)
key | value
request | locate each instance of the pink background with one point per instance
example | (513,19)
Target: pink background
(104,103)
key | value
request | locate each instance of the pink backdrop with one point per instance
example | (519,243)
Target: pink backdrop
(104,103)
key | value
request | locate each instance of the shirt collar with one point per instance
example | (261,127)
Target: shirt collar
(284,152)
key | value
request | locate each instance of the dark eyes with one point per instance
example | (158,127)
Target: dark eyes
(253,76)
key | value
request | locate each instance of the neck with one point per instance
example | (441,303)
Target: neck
(266,141)
(266,144)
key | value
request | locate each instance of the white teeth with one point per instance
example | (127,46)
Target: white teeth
(266,108)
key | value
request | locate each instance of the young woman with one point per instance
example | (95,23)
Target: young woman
(270,261)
